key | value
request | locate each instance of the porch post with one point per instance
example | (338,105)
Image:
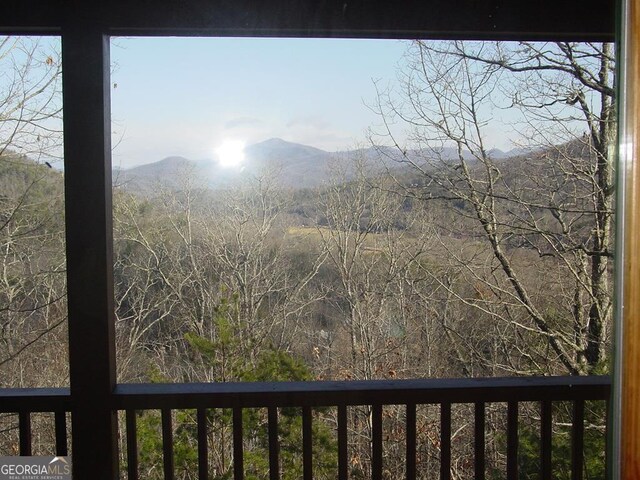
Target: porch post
(628,366)
(89,242)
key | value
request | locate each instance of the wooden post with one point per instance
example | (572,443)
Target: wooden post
(89,237)
(629,350)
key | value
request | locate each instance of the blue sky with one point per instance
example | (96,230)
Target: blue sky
(185,96)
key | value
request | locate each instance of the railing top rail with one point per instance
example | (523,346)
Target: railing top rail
(325,393)
(34,399)
(386,392)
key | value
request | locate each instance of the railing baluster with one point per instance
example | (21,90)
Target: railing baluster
(238,454)
(479,440)
(343,460)
(307,443)
(376,442)
(203,451)
(546,417)
(24,420)
(61,433)
(577,440)
(607,439)
(274,445)
(512,440)
(411,441)
(132,446)
(167,444)
(445,441)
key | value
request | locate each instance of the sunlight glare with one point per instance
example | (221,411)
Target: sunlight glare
(230,153)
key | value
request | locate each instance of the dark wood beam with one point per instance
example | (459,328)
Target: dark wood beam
(579,20)
(89,241)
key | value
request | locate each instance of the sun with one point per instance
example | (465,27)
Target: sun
(230,153)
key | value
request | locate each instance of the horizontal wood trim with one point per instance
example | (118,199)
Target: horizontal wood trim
(281,394)
(578,20)
(35,400)
(285,394)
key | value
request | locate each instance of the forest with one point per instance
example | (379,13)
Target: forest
(426,266)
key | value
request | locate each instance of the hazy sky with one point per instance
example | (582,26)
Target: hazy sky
(185,96)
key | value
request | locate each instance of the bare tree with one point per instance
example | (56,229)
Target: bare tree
(247,236)
(194,258)
(32,264)
(554,200)
(30,97)
(371,252)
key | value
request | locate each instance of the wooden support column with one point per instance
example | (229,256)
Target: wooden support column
(87,149)
(629,331)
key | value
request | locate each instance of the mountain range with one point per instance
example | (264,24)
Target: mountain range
(295,166)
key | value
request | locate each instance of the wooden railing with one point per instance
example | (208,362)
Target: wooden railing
(131,398)
(25,401)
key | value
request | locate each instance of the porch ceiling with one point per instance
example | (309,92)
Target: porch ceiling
(580,20)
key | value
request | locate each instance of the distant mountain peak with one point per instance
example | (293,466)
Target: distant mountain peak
(273,141)
(278,145)
(174,159)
